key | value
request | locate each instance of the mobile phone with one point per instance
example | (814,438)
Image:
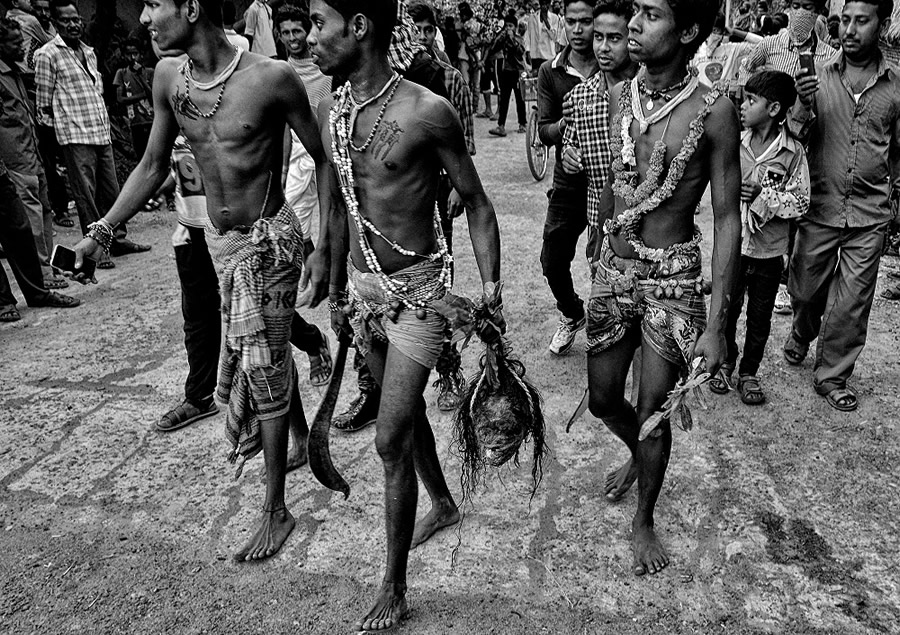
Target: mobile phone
(807,63)
(64,258)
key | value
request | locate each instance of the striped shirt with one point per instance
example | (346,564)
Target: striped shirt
(779,53)
(70,96)
(461,98)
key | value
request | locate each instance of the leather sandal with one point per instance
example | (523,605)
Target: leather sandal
(751,392)
(9,313)
(842,399)
(722,383)
(185,414)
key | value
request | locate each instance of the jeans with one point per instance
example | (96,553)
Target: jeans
(18,244)
(50,151)
(92,177)
(32,190)
(566,220)
(758,278)
(509,83)
(832,285)
(202,321)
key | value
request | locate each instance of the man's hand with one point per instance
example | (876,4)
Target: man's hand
(807,86)
(314,282)
(155,203)
(711,348)
(87,248)
(455,206)
(568,114)
(571,159)
(749,191)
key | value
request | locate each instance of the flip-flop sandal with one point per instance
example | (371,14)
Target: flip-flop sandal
(184,414)
(9,314)
(320,364)
(842,399)
(721,384)
(751,392)
(891,293)
(58,301)
(64,221)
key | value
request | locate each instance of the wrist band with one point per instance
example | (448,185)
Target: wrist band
(101,232)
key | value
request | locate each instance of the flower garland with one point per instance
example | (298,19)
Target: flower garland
(341,119)
(641,199)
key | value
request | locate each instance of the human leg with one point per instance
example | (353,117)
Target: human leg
(49,150)
(81,167)
(28,187)
(722,383)
(520,103)
(17,241)
(566,220)
(363,410)
(762,277)
(297,455)
(503,104)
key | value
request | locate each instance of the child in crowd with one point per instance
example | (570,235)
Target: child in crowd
(774,189)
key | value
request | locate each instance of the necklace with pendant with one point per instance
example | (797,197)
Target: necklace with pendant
(663,93)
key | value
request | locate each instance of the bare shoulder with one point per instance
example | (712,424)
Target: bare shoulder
(168,67)
(722,121)
(266,69)
(433,112)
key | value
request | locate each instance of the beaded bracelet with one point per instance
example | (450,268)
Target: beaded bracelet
(102,233)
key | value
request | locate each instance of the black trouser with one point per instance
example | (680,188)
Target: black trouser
(202,321)
(758,278)
(140,136)
(792,237)
(21,253)
(509,84)
(566,220)
(51,153)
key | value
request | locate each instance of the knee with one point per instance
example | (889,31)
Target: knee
(604,404)
(394,444)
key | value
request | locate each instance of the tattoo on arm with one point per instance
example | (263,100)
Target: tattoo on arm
(388,136)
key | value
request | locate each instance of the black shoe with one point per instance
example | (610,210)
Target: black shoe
(122,247)
(360,414)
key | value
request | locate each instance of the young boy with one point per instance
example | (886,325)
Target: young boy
(134,91)
(774,189)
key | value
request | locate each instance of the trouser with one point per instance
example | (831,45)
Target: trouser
(200,309)
(18,244)
(140,135)
(758,278)
(50,151)
(92,177)
(832,285)
(509,83)
(792,238)
(32,191)
(566,220)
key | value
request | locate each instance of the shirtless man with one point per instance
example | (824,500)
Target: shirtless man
(392,139)
(647,285)
(232,107)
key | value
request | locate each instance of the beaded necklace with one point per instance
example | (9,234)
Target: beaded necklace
(187,69)
(690,85)
(356,108)
(641,199)
(341,121)
(662,93)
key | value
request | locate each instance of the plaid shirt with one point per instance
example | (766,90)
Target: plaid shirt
(70,97)
(779,53)
(589,132)
(461,98)
(404,40)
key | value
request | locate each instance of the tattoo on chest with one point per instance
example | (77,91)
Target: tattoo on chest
(388,136)
(184,106)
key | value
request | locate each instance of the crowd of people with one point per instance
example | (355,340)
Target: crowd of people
(326,147)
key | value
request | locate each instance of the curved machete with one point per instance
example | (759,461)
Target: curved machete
(317,443)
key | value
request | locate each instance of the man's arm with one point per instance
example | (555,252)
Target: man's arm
(754,60)
(441,122)
(250,19)
(550,114)
(44,78)
(723,134)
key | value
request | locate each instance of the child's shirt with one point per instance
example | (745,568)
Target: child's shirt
(782,171)
(137,83)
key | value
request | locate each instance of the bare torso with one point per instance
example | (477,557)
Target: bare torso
(239,148)
(673,221)
(397,177)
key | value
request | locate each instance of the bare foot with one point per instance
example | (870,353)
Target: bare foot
(619,481)
(649,555)
(297,456)
(273,530)
(389,610)
(435,520)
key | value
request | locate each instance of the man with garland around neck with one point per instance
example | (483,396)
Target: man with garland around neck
(389,140)
(647,282)
(232,107)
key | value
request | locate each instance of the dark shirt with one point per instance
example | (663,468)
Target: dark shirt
(18,143)
(425,72)
(555,80)
(854,147)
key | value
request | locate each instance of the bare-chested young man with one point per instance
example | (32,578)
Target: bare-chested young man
(389,140)
(677,138)
(232,108)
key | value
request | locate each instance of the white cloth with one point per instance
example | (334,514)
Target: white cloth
(237,40)
(259,26)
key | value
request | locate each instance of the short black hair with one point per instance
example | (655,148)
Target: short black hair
(382,12)
(212,8)
(510,18)
(690,12)
(589,3)
(776,87)
(421,12)
(621,8)
(7,26)
(885,8)
(292,13)
(56,5)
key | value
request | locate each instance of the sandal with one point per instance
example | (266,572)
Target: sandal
(320,364)
(63,221)
(842,399)
(106,263)
(794,352)
(721,384)
(58,301)
(9,313)
(55,283)
(185,414)
(751,392)
(891,293)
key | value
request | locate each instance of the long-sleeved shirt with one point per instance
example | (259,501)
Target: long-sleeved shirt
(555,79)
(69,95)
(541,39)
(854,146)
(589,132)
(782,172)
(18,142)
(779,53)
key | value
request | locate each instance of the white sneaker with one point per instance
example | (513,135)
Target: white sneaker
(783,301)
(565,335)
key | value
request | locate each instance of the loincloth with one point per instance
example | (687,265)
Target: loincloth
(259,269)
(664,297)
(421,340)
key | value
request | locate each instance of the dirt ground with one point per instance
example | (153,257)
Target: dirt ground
(779,519)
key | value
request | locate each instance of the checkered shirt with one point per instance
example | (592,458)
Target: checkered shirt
(778,53)
(461,99)
(70,98)
(404,40)
(589,132)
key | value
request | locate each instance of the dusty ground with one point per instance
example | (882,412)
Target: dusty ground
(780,519)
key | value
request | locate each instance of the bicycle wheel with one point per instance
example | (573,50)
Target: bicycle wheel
(534,149)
